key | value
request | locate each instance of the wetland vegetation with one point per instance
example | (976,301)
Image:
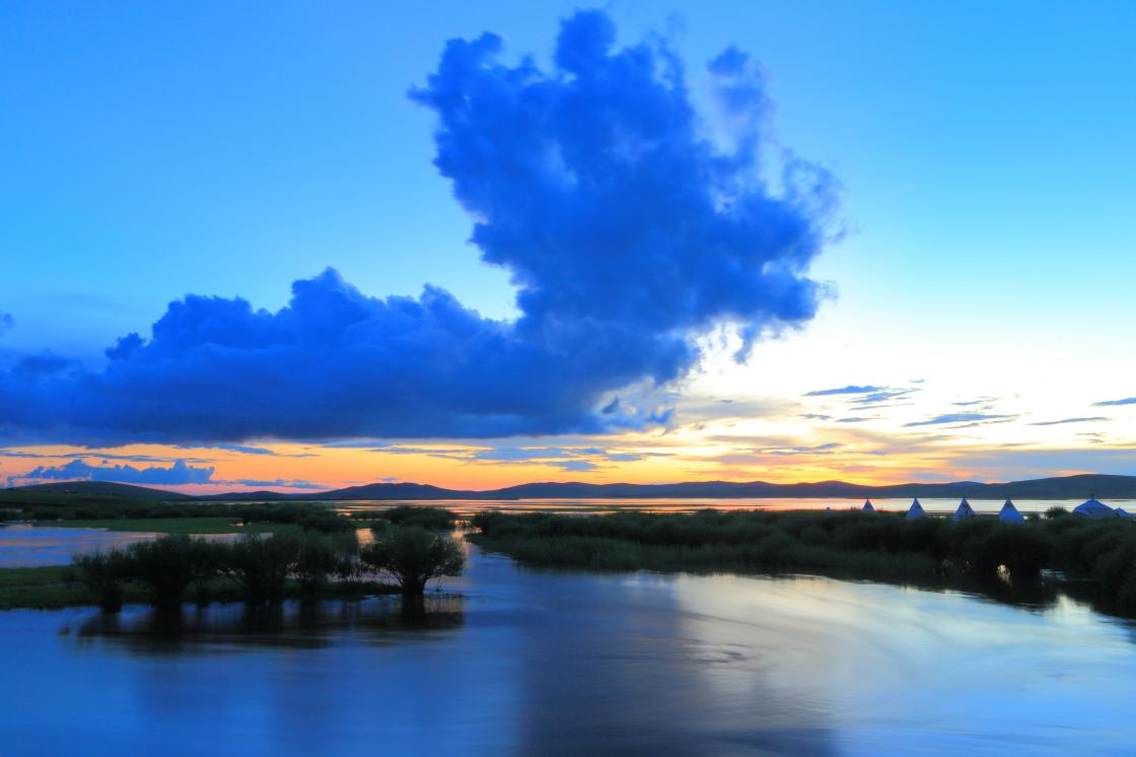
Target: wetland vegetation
(1097,557)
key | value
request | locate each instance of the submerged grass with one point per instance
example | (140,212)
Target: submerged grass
(57,586)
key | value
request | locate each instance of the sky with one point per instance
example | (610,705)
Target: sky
(300,246)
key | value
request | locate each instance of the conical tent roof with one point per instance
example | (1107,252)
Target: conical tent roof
(964,510)
(1122,513)
(916,509)
(1094,508)
(1009,513)
(868,506)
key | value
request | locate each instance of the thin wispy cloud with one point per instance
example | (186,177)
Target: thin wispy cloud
(1063,421)
(850,389)
(967,418)
(973,402)
(1116,403)
(275,483)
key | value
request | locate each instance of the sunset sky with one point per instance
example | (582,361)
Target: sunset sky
(301,246)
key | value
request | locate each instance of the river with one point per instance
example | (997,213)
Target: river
(518,661)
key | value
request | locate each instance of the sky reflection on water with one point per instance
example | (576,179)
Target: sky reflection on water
(515,661)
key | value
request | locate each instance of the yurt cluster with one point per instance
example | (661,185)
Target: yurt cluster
(1090,508)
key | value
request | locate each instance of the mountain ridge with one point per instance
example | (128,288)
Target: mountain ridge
(1080,486)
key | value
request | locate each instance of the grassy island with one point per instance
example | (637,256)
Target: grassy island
(879,546)
(286,551)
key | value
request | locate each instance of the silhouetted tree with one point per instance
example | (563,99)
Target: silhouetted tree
(412,556)
(102,574)
(167,566)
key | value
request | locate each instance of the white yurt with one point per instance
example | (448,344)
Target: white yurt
(1009,513)
(964,510)
(1094,508)
(915,511)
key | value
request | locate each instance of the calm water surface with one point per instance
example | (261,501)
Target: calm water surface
(514,661)
(26,546)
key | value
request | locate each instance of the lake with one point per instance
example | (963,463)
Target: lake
(517,661)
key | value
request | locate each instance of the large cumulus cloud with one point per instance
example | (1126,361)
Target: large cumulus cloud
(627,231)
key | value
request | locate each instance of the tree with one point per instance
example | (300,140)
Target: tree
(412,556)
(169,565)
(102,574)
(262,565)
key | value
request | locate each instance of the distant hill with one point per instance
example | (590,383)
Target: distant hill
(90,490)
(1066,487)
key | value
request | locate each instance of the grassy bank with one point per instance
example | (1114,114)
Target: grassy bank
(217,525)
(877,546)
(40,588)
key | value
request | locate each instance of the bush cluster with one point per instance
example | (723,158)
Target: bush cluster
(431,518)
(264,569)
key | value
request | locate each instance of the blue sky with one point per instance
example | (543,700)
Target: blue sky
(984,154)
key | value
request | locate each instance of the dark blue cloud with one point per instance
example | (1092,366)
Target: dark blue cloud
(850,389)
(1116,403)
(627,232)
(80,470)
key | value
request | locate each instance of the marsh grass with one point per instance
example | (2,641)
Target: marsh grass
(879,546)
(177,517)
(430,518)
(188,526)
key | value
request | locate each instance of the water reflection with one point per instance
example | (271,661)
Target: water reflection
(295,623)
(515,661)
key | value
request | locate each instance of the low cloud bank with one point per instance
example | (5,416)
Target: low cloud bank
(177,473)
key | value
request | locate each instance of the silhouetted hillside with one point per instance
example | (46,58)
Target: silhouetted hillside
(88,490)
(1066,487)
